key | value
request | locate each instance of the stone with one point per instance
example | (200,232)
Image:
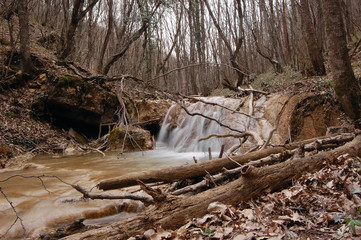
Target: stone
(139,137)
(148,114)
(75,103)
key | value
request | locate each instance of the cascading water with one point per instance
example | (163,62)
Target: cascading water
(181,132)
(184,138)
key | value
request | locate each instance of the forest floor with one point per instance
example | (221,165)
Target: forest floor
(317,206)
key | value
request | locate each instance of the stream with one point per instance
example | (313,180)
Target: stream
(45,208)
(48,205)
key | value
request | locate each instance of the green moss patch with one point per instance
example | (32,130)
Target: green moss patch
(67,81)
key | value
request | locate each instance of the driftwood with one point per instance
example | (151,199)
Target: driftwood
(201,169)
(175,212)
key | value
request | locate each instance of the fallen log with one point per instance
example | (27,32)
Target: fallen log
(184,172)
(201,169)
(175,212)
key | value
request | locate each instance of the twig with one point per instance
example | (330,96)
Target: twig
(17,216)
(216,104)
(252,90)
(229,158)
(207,117)
(255,136)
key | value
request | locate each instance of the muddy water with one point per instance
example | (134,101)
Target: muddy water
(42,209)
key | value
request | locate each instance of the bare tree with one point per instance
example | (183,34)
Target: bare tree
(314,51)
(107,36)
(136,35)
(239,41)
(26,62)
(347,89)
(77,15)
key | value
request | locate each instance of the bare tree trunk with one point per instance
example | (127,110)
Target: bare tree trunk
(107,36)
(192,50)
(314,52)
(233,54)
(77,15)
(345,84)
(26,62)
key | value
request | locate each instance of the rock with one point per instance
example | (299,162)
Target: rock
(139,137)
(75,103)
(76,136)
(148,114)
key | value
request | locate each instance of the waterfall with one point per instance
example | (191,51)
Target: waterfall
(181,131)
(184,138)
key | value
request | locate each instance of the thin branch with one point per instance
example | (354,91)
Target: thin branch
(255,136)
(216,104)
(17,216)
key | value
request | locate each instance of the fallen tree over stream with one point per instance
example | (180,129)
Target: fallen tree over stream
(171,212)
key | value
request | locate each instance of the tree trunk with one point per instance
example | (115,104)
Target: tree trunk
(77,15)
(345,84)
(233,54)
(26,62)
(107,36)
(184,172)
(175,212)
(314,52)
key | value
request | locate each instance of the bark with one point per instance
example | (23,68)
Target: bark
(77,15)
(26,62)
(135,36)
(233,54)
(314,52)
(175,212)
(347,89)
(107,36)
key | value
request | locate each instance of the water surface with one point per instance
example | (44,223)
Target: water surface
(55,204)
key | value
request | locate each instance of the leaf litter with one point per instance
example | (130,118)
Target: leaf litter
(320,205)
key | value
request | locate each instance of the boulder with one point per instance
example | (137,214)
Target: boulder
(148,114)
(135,139)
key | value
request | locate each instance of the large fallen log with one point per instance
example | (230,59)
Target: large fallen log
(175,212)
(201,169)
(184,172)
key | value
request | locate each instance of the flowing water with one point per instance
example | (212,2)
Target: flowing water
(45,207)
(51,203)
(189,129)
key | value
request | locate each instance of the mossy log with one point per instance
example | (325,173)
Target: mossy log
(175,211)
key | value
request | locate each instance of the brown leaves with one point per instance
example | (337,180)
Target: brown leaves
(315,207)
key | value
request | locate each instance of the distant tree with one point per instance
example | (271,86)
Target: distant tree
(309,34)
(107,36)
(26,62)
(77,15)
(347,89)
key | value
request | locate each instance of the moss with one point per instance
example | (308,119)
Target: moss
(118,133)
(38,107)
(67,81)
(114,135)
